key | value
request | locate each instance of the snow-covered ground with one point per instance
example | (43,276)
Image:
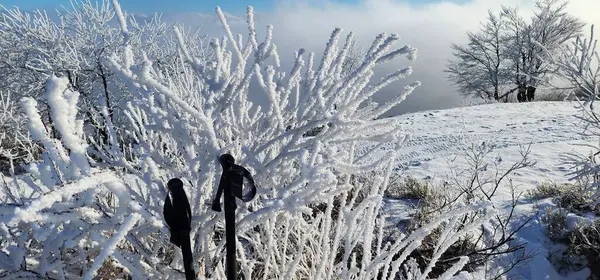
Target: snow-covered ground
(551,128)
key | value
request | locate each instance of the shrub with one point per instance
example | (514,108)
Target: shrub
(409,188)
(572,197)
(556,225)
(580,245)
(584,241)
(547,190)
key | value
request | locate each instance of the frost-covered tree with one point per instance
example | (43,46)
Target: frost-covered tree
(355,55)
(550,27)
(503,56)
(93,209)
(579,65)
(479,69)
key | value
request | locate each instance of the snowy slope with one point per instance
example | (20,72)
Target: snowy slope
(551,128)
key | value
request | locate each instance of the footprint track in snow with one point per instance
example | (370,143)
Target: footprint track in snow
(436,135)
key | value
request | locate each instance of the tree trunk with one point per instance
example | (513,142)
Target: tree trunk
(531,93)
(522,93)
(104,75)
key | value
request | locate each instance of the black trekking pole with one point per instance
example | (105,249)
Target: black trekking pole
(230,186)
(178,216)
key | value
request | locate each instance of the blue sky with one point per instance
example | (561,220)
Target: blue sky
(167,6)
(429,25)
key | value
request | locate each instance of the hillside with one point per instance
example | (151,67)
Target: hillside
(436,149)
(551,128)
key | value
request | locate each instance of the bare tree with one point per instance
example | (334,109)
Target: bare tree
(503,56)
(478,69)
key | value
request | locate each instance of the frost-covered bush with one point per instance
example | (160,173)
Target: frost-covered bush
(15,145)
(72,43)
(88,204)
(479,173)
(577,239)
(579,65)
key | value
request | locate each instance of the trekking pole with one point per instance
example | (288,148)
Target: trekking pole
(230,186)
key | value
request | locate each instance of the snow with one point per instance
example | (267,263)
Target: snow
(64,114)
(436,136)
(551,128)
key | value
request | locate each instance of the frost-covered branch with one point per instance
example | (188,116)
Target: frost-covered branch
(579,65)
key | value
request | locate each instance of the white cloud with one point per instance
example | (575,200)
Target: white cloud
(430,28)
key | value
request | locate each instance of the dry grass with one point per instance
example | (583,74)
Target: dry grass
(410,188)
(585,242)
(556,225)
(572,197)
(582,243)
(548,190)
(111,271)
